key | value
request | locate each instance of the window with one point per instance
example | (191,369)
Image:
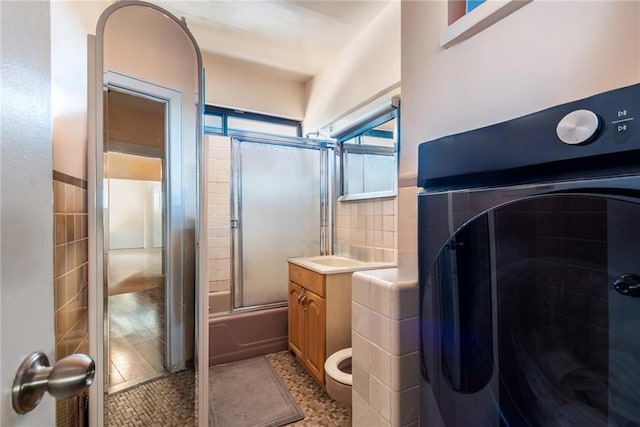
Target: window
(368,158)
(218,120)
(472,4)
(469,17)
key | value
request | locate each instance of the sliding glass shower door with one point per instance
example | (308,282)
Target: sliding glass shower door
(279,193)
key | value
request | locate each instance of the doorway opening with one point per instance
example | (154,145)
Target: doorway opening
(134,239)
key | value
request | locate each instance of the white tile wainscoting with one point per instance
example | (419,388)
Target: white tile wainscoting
(385,337)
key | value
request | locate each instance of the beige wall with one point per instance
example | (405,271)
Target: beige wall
(71,21)
(364,75)
(251,87)
(127,166)
(229,82)
(544,54)
(368,65)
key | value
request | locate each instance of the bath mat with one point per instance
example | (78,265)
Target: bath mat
(249,393)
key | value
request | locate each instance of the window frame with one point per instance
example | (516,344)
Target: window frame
(345,146)
(226,113)
(463,24)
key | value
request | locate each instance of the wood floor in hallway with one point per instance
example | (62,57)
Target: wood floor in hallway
(136,338)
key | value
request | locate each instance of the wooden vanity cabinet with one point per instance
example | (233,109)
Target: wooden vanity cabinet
(296,320)
(319,316)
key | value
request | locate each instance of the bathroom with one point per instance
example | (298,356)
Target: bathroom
(511,68)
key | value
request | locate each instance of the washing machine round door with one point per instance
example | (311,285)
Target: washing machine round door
(530,314)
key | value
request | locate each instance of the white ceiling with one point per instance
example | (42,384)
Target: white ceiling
(298,36)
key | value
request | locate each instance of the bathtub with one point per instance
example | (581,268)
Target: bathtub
(241,335)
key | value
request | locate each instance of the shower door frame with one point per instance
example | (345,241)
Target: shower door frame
(326,148)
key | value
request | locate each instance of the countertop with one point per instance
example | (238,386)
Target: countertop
(333,264)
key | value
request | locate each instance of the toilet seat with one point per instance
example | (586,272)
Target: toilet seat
(332,363)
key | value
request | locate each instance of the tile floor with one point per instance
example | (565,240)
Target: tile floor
(166,402)
(169,401)
(318,408)
(140,392)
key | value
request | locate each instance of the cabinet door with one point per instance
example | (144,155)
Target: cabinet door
(314,356)
(296,320)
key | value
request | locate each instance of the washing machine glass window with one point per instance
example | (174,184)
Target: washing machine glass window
(462,276)
(538,313)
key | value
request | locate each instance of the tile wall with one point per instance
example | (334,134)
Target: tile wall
(384,340)
(367,229)
(70,279)
(408,229)
(218,151)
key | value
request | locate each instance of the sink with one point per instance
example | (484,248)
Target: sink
(333,264)
(336,261)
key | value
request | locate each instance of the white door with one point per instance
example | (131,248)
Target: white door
(26,194)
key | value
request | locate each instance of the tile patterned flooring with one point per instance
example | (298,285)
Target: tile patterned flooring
(169,401)
(318,408)
(142,394)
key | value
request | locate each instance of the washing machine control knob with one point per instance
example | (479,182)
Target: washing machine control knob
(578,127)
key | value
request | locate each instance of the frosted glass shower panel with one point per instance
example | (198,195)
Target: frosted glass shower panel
(279,216)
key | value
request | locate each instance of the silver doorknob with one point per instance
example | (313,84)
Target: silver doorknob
(68,377)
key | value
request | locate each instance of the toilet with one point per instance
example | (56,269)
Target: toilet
(337,376)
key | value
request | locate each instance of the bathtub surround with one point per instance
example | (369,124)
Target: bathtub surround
(218,152)
(70,286)
(385,349)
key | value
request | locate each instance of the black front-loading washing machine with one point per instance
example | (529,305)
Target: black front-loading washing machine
(529,269)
